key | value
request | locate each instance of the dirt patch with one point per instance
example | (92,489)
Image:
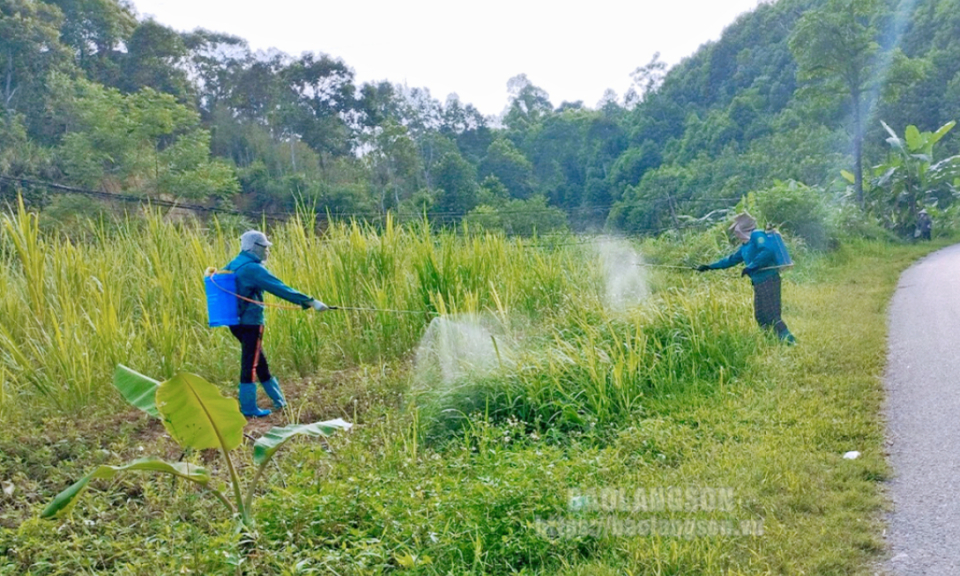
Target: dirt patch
(357,395)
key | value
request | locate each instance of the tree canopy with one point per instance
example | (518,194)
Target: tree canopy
(795,90)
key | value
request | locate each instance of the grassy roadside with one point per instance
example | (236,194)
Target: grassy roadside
(772,436)
(779,434)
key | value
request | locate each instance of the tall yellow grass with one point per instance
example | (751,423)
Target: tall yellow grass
(132,292)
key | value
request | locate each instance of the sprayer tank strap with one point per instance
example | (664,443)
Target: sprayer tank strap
(250,300)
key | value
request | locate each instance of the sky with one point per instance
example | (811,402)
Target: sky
(574,51)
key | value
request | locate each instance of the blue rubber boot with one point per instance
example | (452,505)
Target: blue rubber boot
(272,388)
(248,401)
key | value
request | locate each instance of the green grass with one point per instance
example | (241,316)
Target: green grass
(680,392)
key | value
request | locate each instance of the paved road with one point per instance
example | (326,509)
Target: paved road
(923,418)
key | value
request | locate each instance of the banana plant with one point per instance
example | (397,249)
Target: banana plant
(196,416)
(910,178)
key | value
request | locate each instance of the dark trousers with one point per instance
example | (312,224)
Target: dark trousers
(766,306)
(253,362)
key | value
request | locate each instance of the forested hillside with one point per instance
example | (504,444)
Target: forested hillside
(96,99)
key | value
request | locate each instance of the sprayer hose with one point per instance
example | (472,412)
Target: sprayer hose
(280,306)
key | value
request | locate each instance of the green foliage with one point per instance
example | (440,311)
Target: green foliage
(837,46)
(94,31)
(851,223)
(797,209)
(300,130)
(138,390)
(197,417)
(273,439)
(143,141)
(30,52)
(598,369)
(456,183)
(154,53)
(66,500)
(911,179)
(506,163)
(519,217)
(122,290)
(720,406)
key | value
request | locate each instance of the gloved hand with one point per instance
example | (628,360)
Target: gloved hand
(703,267)
(319,306)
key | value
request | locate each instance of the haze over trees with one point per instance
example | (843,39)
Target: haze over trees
(93,97)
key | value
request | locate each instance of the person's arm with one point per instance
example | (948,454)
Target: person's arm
(270,283)
(729,261)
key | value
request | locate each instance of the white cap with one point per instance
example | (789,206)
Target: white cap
(252,238)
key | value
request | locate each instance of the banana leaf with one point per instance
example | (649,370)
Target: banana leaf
(65,500)
(139,390)
(197,416)
(268,444)
(914,140)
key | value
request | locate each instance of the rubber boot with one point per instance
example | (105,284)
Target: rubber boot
(248,401)
(272,388)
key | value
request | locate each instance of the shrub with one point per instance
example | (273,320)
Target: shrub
(797,209)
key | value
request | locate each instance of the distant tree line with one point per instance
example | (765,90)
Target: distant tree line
(93,97)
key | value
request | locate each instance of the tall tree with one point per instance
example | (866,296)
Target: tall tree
(837,49)
(646,80)
(528,104)
(156,58)
(96,30)
(509,165)
(30,50)
(456,180)
(322,93)
(214,62)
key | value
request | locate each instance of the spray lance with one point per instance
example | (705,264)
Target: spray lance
(775,241)
(356,309)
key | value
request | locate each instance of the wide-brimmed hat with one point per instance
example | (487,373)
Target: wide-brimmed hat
(743,224)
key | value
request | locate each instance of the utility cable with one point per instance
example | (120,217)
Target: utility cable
(65,189)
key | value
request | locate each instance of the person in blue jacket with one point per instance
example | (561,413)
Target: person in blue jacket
(760,265)
(253,279)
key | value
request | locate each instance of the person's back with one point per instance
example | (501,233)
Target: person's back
(253,279)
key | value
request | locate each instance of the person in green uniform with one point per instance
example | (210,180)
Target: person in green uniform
(760,266)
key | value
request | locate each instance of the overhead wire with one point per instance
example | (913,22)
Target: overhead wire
(58,188)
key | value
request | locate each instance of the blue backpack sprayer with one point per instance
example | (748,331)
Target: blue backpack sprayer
(775,242)
(222,302)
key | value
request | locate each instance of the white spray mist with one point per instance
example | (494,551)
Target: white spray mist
(624,274)
(455,347)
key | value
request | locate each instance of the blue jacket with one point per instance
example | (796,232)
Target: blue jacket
(252,279)
(755,255)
